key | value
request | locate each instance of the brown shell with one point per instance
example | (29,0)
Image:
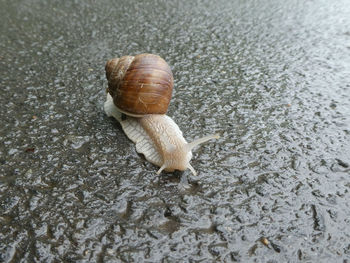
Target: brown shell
(140,85)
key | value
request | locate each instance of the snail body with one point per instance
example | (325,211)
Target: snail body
(156,135)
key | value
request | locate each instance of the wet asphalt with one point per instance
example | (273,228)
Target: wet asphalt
(272,77)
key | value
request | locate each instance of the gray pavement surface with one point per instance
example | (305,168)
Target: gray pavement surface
(273,77)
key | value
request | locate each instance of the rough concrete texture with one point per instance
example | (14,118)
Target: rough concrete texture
(271,76)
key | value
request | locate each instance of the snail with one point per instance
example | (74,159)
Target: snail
(141,87)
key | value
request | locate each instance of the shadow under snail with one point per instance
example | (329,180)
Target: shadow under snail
(141,87)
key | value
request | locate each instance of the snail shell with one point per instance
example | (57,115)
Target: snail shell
(140,84)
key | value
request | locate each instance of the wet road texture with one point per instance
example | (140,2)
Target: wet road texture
(271,76)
